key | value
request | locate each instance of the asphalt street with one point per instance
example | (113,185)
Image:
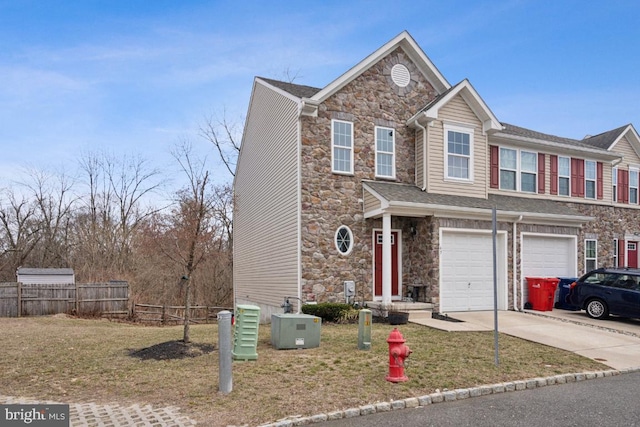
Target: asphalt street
(611,401)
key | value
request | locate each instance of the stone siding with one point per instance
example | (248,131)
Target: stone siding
(330,200)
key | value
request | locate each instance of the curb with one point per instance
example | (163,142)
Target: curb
(449,396)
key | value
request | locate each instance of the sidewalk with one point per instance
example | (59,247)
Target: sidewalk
(615,343)
(114,415)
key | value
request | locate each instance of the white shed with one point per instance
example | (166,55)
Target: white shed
(47,276)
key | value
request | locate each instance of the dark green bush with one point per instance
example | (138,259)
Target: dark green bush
(332,311)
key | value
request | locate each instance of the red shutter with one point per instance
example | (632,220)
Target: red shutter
(621,253)
(494,161)
(541,176)
(599,183)
(580,174)
(554,174)
(623,186)
(577,177)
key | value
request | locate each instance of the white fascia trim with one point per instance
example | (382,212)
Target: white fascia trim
(423,209)
(532,143)
(411,48)
(635,143)
(278,90)
(490,122)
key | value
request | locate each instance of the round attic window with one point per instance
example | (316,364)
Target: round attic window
(400,75)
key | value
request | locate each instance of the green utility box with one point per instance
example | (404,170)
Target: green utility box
(245,335)
(295,331)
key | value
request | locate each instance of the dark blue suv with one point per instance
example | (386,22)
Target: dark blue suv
(607,291)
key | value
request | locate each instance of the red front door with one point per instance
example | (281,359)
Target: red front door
(377,238)
(632,254)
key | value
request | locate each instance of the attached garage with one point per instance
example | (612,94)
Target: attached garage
(547,256)
(466,270)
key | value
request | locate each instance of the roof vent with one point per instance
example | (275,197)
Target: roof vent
(400,75)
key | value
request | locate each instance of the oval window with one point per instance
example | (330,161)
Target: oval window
(344,240)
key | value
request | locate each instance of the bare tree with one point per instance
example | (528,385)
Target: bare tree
(115,208)
(19,231)
(224,136)
(192,226)
(54,202)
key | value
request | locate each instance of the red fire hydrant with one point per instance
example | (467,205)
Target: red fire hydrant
(398,352)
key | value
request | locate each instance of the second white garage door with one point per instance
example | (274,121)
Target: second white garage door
(547,256)
(466,270)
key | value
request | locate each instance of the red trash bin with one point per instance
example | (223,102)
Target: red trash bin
(542,291)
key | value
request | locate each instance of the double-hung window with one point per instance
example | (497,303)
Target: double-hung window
(518,170)
(459,149)
(633,186)
(590,179)
(528,171)
(508,169)
(590,254)
(385,152)
(564,176)
(341,147)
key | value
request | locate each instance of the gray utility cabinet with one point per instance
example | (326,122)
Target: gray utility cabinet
(295,331)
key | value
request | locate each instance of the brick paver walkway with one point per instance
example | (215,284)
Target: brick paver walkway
(115,415)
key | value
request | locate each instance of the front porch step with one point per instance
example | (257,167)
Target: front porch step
(376,306)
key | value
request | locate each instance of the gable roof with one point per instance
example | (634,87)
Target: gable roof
(608,140)
(470,96)
(412,50)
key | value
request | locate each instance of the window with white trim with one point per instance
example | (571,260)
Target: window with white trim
(459,149)
(614,181)
(518,170)
(633,186)
(344,240)
(341,147)
(615,253)
(564,176)
(589,179)
(385,152)
(590,254)
(528,171)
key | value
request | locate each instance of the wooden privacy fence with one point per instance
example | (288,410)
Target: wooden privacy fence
(96,299)
(174,314)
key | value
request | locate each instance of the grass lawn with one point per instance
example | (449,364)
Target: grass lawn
(80,360)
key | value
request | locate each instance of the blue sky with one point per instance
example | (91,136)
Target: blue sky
(137,77)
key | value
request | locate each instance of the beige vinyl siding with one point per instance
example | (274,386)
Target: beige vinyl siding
(630,156)
(266,214)
(420,159)
(457,111)
(370,202)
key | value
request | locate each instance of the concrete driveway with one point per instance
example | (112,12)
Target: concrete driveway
(614,342)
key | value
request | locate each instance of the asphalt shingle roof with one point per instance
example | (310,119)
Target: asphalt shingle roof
(411,193)
(46,271)
(605,139)
(300,91)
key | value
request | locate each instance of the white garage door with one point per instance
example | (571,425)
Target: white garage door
(547,256)
(466,271)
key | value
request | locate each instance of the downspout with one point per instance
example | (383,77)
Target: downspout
(424,155)
(515,266)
